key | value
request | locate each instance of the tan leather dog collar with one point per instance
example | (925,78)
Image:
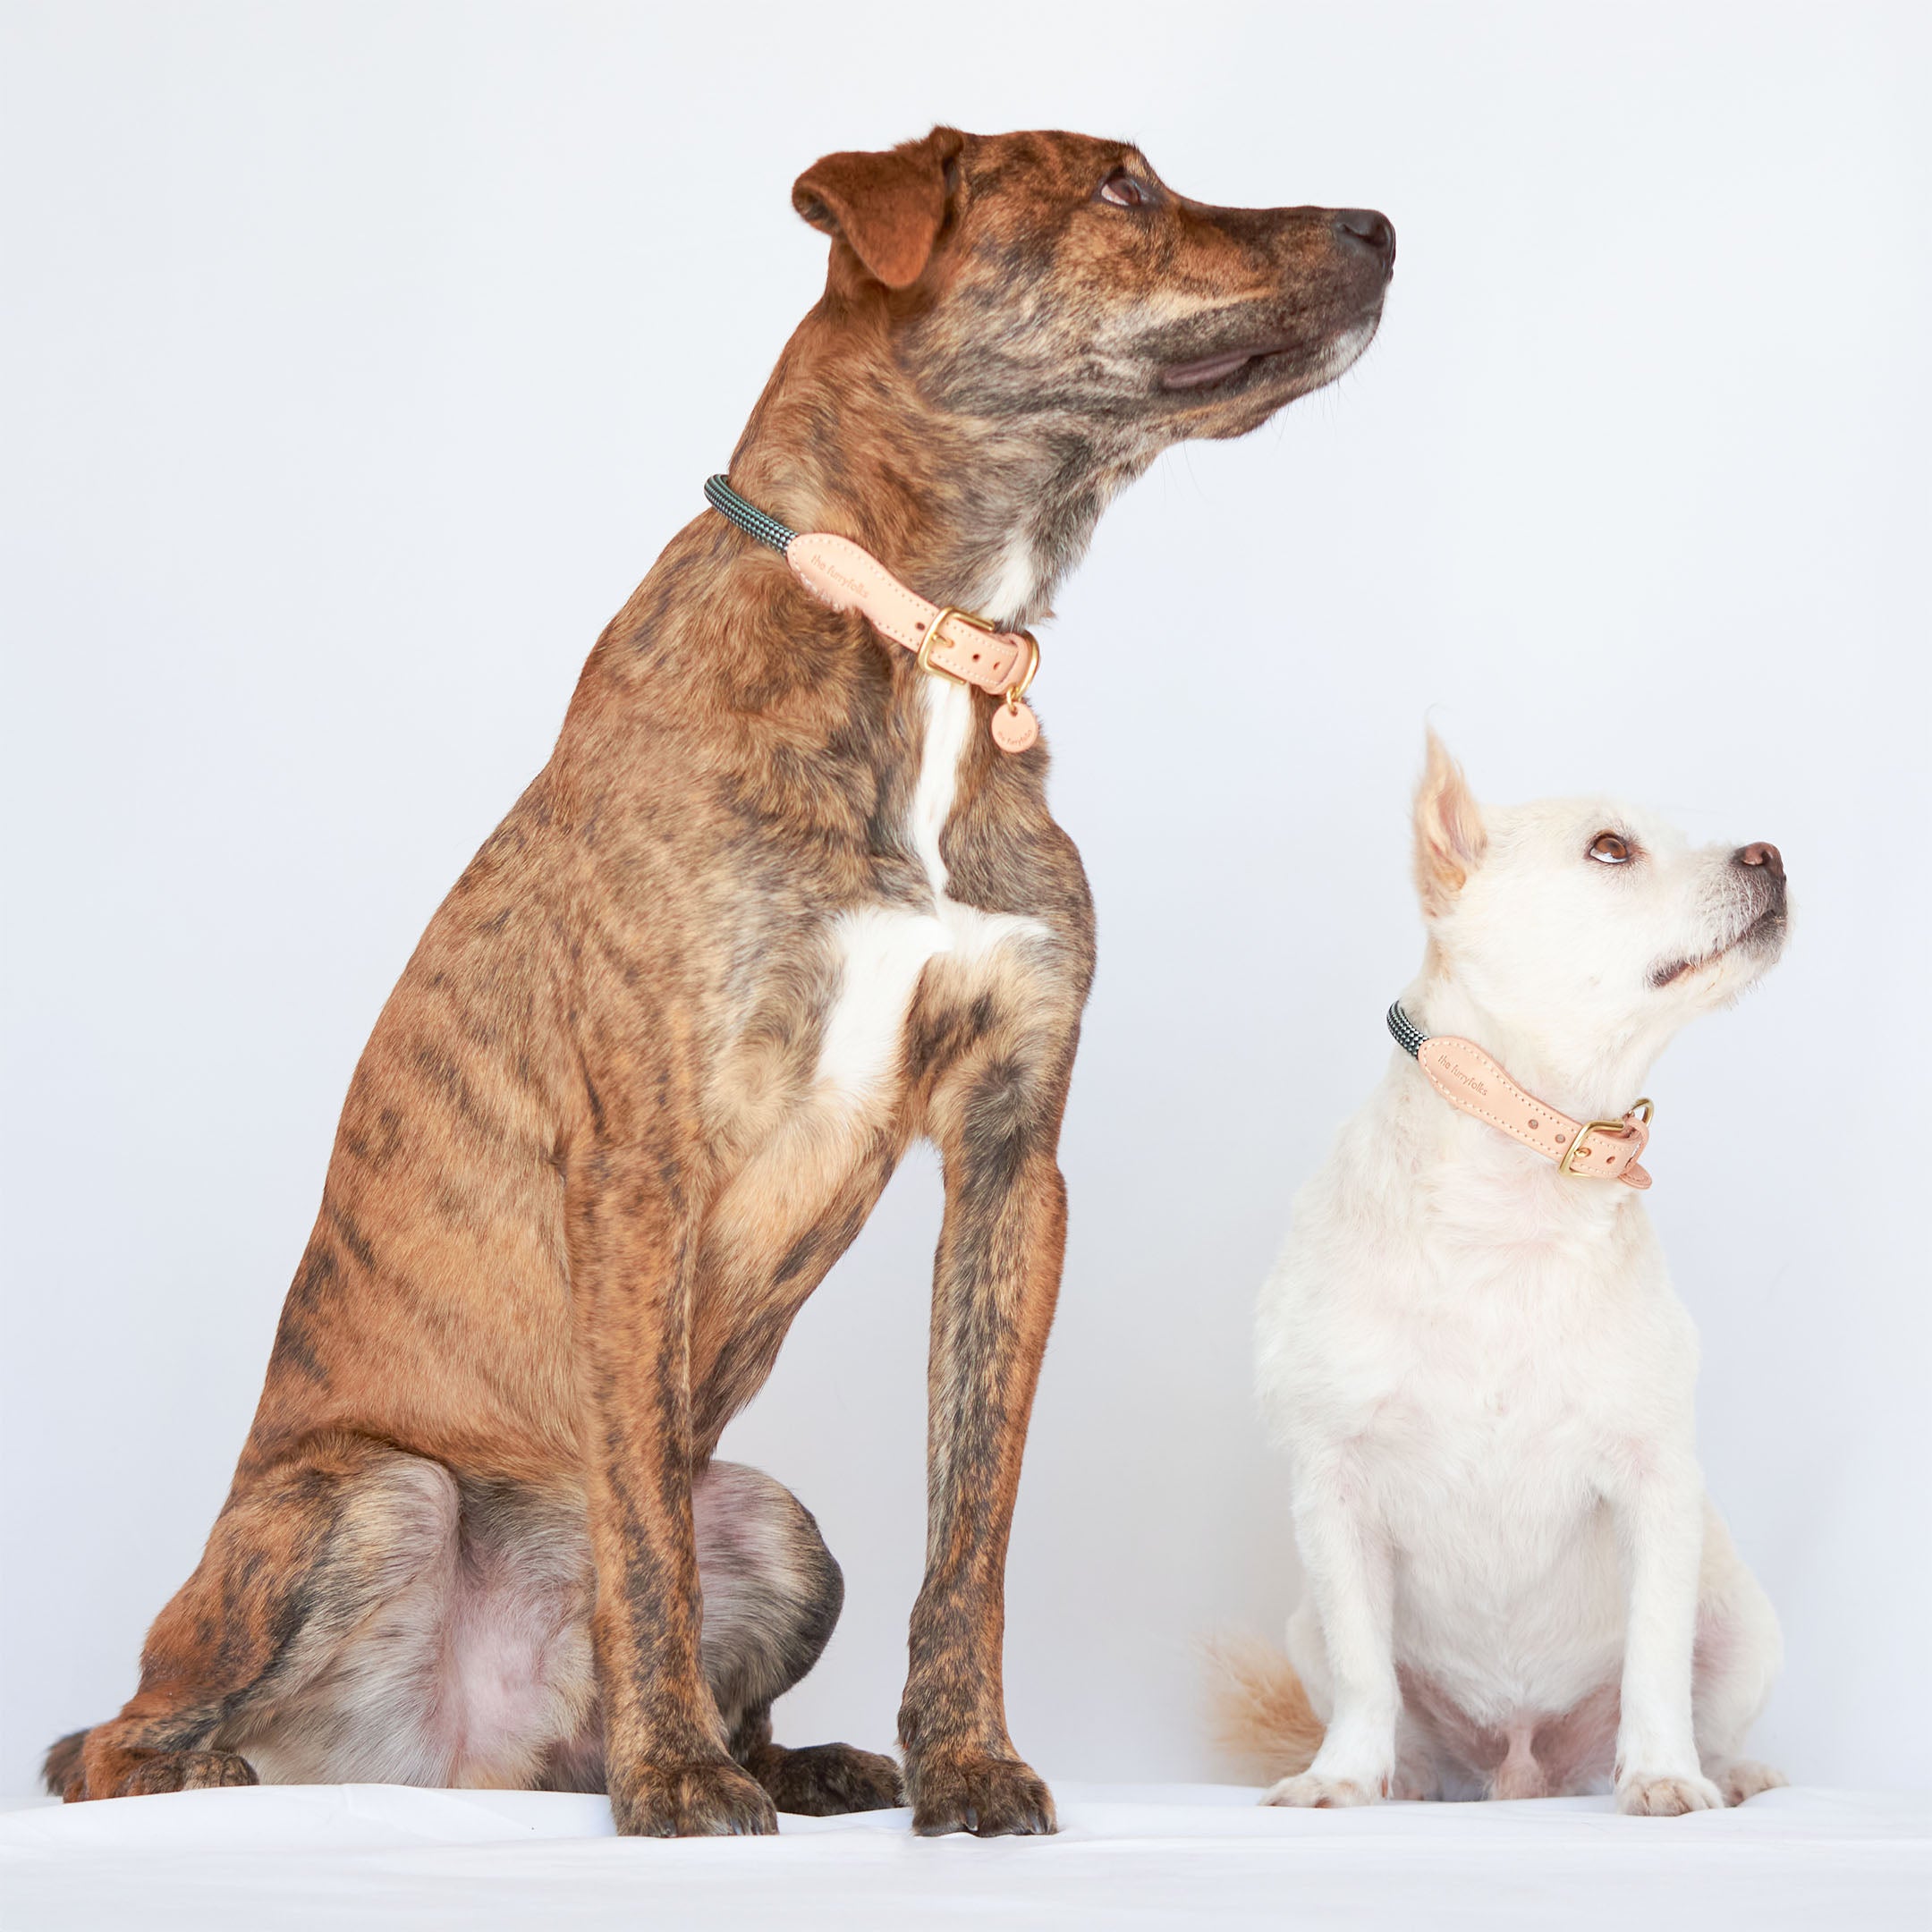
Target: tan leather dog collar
(949,643)
(1468,1079)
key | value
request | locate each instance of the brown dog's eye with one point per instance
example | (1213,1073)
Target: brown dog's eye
(1610,849)
(1123,191)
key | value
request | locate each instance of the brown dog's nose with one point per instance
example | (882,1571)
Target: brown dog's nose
(1365,228)
(1761,854)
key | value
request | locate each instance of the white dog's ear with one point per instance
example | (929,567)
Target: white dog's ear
(1449,836)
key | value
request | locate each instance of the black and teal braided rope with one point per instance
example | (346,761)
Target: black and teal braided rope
(747,517)
(1409,1036)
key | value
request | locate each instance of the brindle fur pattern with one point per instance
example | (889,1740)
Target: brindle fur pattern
(591,1165)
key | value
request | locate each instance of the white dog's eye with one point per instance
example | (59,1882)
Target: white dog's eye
(1123,191)
(1610,849)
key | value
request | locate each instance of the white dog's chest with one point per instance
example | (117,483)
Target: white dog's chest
(1520,1362)
(1482,1416)
(1478,1420)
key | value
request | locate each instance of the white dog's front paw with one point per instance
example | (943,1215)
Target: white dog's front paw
(1320,1792)
(1643,1794)
(1745,1778)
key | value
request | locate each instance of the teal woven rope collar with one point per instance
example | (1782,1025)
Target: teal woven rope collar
(747,517)
(1409,1036)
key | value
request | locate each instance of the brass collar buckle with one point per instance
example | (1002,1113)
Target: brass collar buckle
(1014,692)
(1622,1129)
(932,637)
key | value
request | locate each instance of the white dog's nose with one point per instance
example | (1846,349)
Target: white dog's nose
(1761,854)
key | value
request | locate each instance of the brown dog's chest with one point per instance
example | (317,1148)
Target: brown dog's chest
(818,1017)
(850,1030)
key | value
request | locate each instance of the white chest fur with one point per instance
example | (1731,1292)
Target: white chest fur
(882,949)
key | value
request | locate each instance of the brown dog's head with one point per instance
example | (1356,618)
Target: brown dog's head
(1015,325)
(1023,274)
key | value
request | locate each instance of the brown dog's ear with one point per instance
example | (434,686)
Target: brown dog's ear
(1449,836)
(887,208)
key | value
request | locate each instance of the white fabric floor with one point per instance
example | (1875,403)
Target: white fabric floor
(380,1856)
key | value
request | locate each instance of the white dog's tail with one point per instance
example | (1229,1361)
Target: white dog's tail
(1263,1719)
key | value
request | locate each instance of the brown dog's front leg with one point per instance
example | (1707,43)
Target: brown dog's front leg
(998,1122)
(666,1762)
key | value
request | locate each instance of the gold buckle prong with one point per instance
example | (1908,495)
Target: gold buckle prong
(1583,1134)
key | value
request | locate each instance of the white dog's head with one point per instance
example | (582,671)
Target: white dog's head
(1580,933)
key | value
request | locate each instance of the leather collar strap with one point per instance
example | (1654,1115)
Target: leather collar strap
(950,643)
(1467,1078)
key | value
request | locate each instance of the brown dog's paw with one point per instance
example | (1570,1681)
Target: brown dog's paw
(707,1798)
(989,1797)
(827,1780)
(180,1771)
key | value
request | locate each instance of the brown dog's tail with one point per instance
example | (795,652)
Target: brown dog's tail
(61,1769)
(1263,1719)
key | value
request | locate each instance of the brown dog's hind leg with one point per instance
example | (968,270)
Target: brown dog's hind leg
(772,1595)
(305,1547)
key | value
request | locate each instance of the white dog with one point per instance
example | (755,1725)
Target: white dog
(1472,1354)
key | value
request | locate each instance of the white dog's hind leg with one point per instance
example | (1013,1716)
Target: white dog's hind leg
(1661,1514)
(1739,1650)
(1351,1577)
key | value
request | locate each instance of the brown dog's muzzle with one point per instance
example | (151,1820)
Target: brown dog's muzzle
(1295,289)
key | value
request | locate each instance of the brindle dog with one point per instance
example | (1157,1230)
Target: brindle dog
(776,904)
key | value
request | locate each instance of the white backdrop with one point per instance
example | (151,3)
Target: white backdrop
(359,360)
